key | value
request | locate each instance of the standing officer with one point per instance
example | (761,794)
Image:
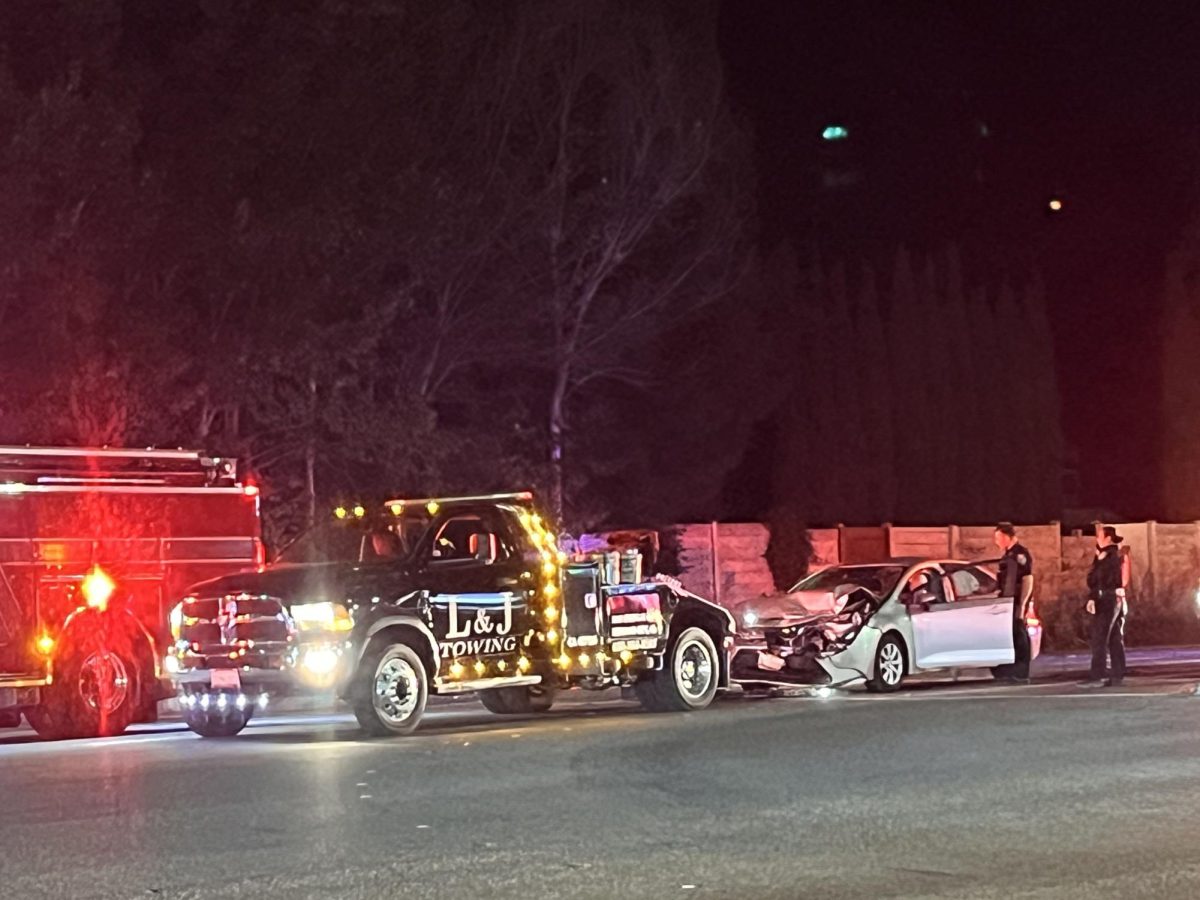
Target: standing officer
(1106,583)
(1016,581)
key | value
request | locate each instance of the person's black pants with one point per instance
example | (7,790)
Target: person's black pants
(1021,649)
(1108,637)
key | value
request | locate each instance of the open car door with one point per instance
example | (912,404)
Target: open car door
(962,621)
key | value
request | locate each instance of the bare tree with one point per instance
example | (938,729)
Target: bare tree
(632,173)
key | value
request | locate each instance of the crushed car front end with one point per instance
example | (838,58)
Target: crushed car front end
(798,647)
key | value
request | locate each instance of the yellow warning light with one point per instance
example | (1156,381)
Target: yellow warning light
(584,659)
(480,668)
(456,670)
(432,507)
(626,657)
(564,661)
(523,664)
(45,645)
(359,512)
(550,590)
(551,636)
(97,588)
(551,613)
(397,509)
(340,512)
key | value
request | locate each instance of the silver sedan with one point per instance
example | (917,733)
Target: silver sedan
(877,624)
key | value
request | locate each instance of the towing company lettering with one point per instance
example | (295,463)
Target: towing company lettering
(478,635)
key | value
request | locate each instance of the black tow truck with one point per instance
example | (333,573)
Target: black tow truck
(440,596)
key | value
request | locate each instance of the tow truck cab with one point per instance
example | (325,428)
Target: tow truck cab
(96,546)
(439,596)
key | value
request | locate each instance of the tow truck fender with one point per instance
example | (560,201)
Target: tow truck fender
(692,607)
(398,619)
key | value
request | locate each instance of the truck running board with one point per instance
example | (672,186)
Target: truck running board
(445,686)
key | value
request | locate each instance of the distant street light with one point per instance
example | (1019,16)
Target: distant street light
(1056,205)
(835,133)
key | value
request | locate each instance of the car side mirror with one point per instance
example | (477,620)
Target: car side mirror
(920,600)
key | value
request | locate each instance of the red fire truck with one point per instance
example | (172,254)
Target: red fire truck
(96,547)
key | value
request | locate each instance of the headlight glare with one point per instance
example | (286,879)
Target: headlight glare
(324,616)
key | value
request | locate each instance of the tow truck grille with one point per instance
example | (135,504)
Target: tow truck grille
(236,630)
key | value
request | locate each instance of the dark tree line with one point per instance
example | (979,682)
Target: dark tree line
(380,246)
(1181,379)
(402,246)
(922,396)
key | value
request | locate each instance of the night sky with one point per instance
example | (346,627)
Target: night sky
(964,121)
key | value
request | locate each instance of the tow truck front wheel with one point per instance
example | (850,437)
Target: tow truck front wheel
(392,688)
(221,715)
(688,679)
(96,691)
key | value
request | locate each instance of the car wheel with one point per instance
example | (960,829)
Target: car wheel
(222,717)
(689,676)
(391,691)
(96,690)
(521,700)
(890,666)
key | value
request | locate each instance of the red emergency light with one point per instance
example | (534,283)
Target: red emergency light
(97,588)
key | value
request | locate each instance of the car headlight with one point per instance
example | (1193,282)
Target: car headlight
(750,617)
(324,616)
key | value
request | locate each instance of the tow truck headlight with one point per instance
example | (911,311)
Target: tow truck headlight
(325,616)
(749,618)
(321,661)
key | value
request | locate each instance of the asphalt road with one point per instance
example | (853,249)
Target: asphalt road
(943,791)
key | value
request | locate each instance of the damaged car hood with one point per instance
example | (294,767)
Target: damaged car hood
(801,607)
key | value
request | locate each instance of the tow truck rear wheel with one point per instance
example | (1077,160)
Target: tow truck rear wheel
(96,690)
(521,700)
(391,690)
(688,679)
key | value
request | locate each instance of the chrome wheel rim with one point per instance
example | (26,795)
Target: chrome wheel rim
(693,670)
(891,663)
(103,682)
(397,691)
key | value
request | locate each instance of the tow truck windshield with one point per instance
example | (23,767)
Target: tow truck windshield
(341,542)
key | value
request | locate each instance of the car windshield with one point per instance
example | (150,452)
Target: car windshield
(879,580)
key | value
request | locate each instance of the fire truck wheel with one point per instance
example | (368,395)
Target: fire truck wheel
(96,689)
(515,701)
(218,720)
(689,676)
(391,690)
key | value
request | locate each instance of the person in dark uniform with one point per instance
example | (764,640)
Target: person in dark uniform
(1016,581)
(1106,582)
